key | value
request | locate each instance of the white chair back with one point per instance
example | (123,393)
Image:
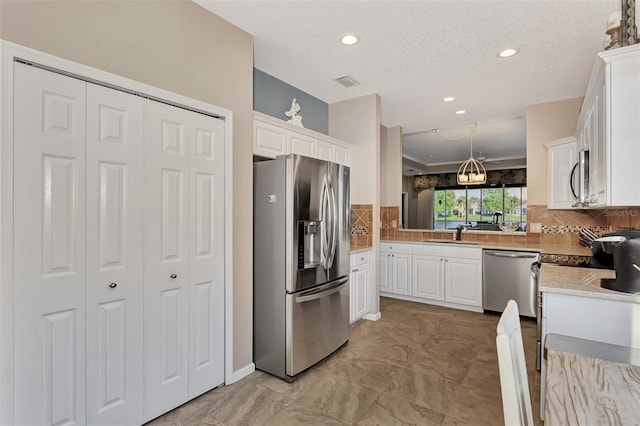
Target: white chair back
(516,401)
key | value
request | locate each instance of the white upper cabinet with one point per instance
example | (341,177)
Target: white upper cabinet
(609,127)
(273,137)
(562,156)
(302,144)
(269,140)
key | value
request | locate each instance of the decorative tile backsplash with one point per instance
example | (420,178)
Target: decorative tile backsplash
(559,229)
(563,226)
(361,226)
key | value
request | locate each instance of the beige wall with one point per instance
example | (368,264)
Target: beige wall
(177,46)
(358,121)
(391,166)
(546,122)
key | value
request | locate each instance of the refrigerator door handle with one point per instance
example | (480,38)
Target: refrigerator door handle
(324,240)
(334,223)
(320,293)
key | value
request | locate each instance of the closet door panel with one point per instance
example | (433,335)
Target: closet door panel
(206,254)
(166,258)
(49,246)
(114,256)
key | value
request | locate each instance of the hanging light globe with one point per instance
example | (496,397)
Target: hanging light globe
(472,172)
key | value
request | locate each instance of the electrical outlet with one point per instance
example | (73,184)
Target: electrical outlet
(394,223)
(535,228)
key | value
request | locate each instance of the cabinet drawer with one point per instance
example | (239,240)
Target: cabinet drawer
(360,258)
(395,248)
(448,250)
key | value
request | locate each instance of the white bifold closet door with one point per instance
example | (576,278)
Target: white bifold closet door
(118,277)
(49,248)
(114,199)
(183,256)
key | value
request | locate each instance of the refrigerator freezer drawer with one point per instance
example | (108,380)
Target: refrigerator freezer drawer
(317,324)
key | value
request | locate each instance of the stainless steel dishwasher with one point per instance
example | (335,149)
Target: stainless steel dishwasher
(509,275)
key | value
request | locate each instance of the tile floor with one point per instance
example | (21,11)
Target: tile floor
(420,364)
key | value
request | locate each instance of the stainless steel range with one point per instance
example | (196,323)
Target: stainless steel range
(301,262)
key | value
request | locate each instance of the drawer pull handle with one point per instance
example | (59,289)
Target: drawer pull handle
(173,276)
(113,285)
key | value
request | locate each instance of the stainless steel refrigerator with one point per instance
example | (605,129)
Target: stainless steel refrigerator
(301,240)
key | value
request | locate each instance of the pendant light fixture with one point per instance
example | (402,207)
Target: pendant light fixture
(472,172)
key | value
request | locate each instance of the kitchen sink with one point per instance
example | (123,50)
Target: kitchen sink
(471,243)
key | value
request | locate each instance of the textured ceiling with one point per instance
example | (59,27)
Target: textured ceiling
(414,53)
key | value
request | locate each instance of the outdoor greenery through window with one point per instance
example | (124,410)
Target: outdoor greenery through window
(480,206)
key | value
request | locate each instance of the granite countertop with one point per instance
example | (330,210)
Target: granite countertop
(582,390)
(542,248)
(580,282)
(360,250)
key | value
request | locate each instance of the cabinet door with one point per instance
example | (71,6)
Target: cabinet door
(401,273)
(597,151)
(358,292)
(591,318)
(561,159)
(48,248)
(269,140)
(206,253)
(165,258)
(428,277)
(463,281)
(303,145)
(341,155)
(385,272)
(114,256)
(324,150)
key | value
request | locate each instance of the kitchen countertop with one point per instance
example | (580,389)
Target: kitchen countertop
(580,282)
(559,250)
(360,250)
(583,390)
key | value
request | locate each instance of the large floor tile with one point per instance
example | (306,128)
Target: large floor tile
(249,404)
(339,398)
(419,365)
(388,410)
(444,366)
(484,376)
(473,406)
(445,345)
(423,389)
(298,414)
(365,371)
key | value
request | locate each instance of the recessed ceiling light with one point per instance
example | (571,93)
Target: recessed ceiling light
(461,111)
(448,99)
(508,52)
(349,39)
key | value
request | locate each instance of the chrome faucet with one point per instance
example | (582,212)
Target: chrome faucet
(459,231)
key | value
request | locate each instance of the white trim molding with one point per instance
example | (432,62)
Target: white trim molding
(240,374)
(9,52)
(372,317)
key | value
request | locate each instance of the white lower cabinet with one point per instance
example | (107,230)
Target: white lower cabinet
(428,277)
(439,274)
(359,285)
(592,318)
(117,273)
(395,268)
(463,281)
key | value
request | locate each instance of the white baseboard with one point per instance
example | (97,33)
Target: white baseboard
(241,373)
(372,317)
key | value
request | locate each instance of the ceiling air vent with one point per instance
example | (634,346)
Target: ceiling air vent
(347,81)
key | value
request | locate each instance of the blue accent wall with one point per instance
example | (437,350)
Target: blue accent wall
(273,97)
